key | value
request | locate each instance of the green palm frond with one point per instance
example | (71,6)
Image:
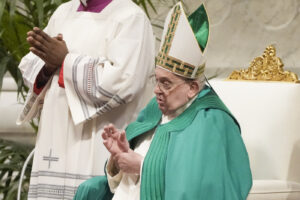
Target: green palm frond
(12,158)
(144,4)
(16,19)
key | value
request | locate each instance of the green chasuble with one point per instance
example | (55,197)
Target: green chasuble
(198,155)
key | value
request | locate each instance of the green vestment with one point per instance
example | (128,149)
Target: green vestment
(198,155)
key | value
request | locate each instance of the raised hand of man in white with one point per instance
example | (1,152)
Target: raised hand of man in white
(51,50)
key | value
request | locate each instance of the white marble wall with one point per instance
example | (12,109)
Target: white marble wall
(10,108)
(241,29)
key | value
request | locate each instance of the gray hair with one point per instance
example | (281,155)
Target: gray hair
(200,81)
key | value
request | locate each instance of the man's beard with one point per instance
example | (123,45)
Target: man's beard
(84,2)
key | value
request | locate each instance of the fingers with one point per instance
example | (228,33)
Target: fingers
(104,135)
(34,35)
(108,144)
(123,143)
(112,131)
(37,37)
(112,128)
(36,41)
(105,143)
(106,129)
(39,40)
(42,33)
(59,37)
(123,136)
(107,132)
(38,52)
(36,44)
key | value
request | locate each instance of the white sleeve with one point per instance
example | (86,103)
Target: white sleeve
(30,67)
(31,64)
(112,178)
(33,106)
(97,85)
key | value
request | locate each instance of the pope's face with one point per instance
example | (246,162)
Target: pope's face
(171,91)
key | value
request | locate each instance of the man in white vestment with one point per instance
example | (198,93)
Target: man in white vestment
(87,68)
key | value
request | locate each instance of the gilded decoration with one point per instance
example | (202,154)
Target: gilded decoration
(267,67)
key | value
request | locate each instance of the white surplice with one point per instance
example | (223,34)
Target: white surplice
(106,77)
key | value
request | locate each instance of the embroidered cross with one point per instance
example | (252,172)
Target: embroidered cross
(50,158)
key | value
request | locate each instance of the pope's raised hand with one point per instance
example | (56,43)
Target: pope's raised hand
(114,140)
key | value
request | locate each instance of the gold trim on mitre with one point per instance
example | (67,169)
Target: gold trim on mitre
(173,64)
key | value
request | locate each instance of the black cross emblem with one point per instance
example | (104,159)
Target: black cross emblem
(50,158)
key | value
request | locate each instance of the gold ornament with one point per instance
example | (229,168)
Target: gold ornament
(268,67)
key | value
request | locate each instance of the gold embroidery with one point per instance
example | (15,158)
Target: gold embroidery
(173,64)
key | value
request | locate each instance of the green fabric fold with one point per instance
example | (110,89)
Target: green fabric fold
(153,179)
(200,26)
(198,155)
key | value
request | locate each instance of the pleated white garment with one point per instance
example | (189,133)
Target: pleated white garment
(106,81)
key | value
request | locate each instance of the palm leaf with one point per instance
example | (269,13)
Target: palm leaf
(12,158)
(144,3)
(12,9)
(151,5)
(2,7)
(3,69)
(13,191)
(40,12)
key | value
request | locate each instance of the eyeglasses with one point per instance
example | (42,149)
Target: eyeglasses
(167,86)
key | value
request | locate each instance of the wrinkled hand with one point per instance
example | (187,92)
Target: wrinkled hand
(51,50)
(129,162)
(114,140)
